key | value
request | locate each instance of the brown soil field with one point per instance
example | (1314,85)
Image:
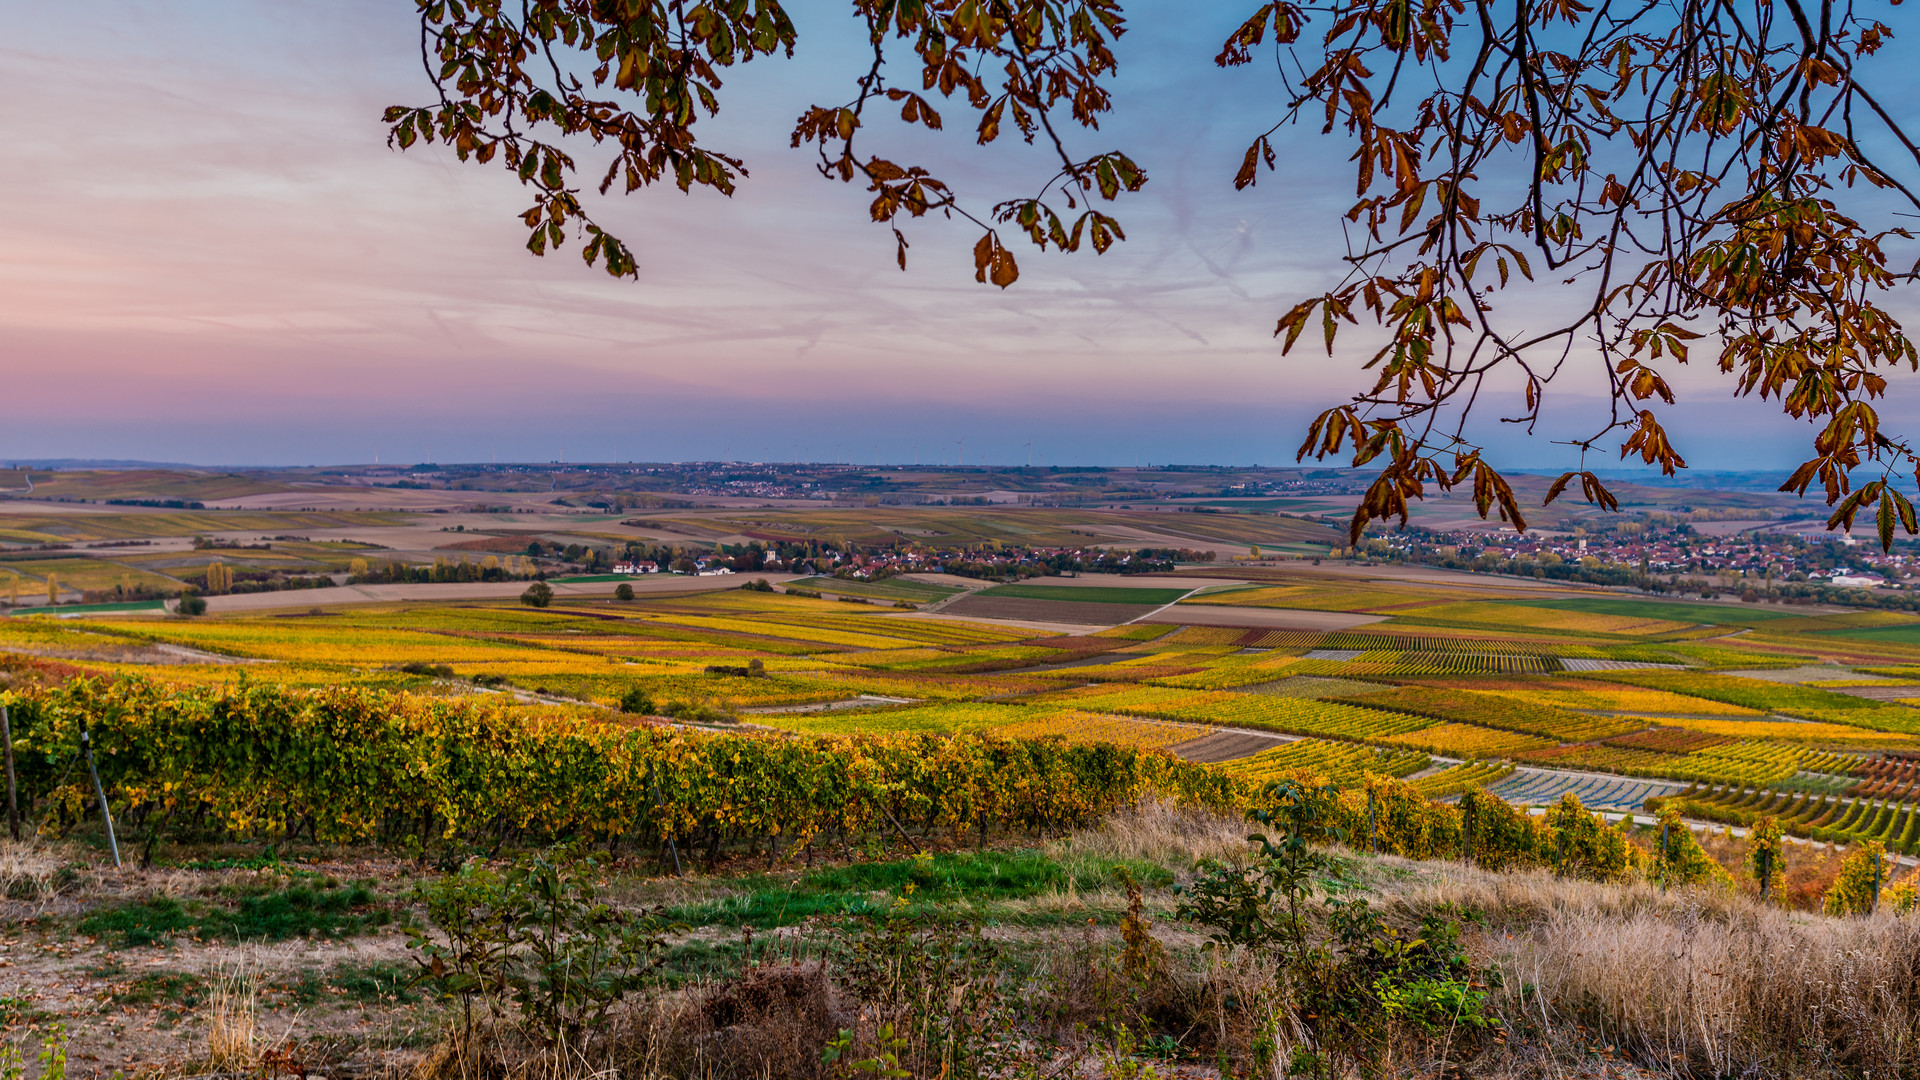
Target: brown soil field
(513,544)
(1225,746)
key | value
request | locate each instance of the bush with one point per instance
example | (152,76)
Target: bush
(1356,979)
(539,594)
(1679,860)
(193,605)
(537,937)
(1856,890)
(637,701)
(623,591)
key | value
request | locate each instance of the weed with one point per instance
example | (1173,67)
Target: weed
(299,911)
(859,890)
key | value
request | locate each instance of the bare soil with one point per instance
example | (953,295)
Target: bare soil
(1226,746)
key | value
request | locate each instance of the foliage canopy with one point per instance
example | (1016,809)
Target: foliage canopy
(1696,171)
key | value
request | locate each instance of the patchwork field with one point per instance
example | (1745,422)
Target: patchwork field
(1466,682)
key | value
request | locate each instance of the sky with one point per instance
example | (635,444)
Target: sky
(212,256)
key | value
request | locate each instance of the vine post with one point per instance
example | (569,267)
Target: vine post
(13,796)
(106,813)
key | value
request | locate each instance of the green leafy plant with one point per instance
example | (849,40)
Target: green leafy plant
(935,982)
(1350,977)
(538,937)
(1856,891)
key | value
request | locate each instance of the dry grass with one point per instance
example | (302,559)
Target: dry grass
(233,1017)
(29,868)
(1704,982)
(1162,832)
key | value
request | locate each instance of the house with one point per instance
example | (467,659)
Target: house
(716,571)
(636,568)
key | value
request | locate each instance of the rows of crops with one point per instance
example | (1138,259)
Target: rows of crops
(1746,761)
(1733,689)
(345,765)
(1507,711)
(1294,716)
(1463,777)
(1342,764)
(1813,816)
(1469,740)
(1534,787)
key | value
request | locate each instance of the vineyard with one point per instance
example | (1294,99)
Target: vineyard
(1508,711)
(1342,764)
(1482,682)
(1813,816)
(350,765)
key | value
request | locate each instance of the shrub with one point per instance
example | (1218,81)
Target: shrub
(1583,844)
(1505,837)
(1680,859)
(1856,890)
(193,604)
(636,700)
(623,591)
(1763,854)
(1354,985)
(538,937)
(539,594)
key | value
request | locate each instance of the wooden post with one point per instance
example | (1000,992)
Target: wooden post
(1874,904)
(1466,829)
(1766,873)
(1663,855)
(13,796)
(106,813)
(1373,844)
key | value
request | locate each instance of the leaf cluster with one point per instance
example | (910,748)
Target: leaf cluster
(536,936)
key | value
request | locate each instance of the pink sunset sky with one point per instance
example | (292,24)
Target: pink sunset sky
(212,256)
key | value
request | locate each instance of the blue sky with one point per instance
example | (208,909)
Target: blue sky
(215,258)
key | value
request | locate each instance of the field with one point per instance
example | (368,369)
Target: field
(797,785)
(1084,594)
(1898,635)
(919,592)
(1670,610)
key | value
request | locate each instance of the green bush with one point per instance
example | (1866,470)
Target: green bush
(636,700)
(623,591)
(1352,978)
(539,938)
(539,594)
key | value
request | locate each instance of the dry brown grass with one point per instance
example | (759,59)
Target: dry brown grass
(29,868)
(1162,832)
(233,1017)
(1704,982)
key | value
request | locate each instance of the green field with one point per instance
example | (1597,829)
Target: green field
(920,592)
(1896,635)
(1088,594)
(1670,610)
(89,609)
